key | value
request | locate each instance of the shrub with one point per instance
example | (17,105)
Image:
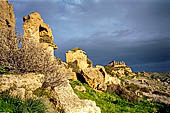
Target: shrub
(123,93)
(4,69)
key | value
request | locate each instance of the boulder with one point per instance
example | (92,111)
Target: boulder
(77,56)
(29,82)
(18,92)
(71,103)
(94,78)
(80,88)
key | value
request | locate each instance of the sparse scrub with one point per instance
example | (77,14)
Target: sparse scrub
(124,93)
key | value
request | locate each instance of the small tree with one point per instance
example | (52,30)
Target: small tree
(29,57)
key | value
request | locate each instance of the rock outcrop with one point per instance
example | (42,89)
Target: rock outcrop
(78,56)
(7,16)
(96,77)
(36,30)
(72,104)
(22,85)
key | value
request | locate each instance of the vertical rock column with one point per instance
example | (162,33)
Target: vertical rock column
(36,30)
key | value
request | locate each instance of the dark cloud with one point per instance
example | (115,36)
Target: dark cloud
(130,30)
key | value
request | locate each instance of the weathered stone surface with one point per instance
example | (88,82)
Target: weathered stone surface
(65,70)
(77,56)
(35,29)
(72,104)
(94,78)
(113,80)
(80,88)
(18,92)
(105,75)
(29,82)
(7,16)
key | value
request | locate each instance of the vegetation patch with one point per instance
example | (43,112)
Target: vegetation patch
(4,69)
(112,103)
(15,105)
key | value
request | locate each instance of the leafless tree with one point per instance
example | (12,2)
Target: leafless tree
(23,55)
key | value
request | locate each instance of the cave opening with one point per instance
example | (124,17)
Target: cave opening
(81,78)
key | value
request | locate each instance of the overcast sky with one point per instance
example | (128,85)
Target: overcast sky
(135,31)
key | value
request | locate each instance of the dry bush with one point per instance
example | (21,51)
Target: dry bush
(29,57)
(123,93)
(8,46)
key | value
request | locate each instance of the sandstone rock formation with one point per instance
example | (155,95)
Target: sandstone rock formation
(7,17)
(96,77)
(36,30)
(65,70)
(72,104)
(78,56)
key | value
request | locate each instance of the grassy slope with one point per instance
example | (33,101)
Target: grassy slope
(112,103)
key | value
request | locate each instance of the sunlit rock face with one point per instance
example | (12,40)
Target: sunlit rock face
(7,16)
(77,56)
(96,77)
(35,29)
(71,103)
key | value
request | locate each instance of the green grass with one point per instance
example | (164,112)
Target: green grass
(4,69)
(15,105)
(112,103)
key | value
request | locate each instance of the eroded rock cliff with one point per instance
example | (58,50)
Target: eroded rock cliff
(36,30)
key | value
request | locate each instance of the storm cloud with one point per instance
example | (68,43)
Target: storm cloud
(136,31)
